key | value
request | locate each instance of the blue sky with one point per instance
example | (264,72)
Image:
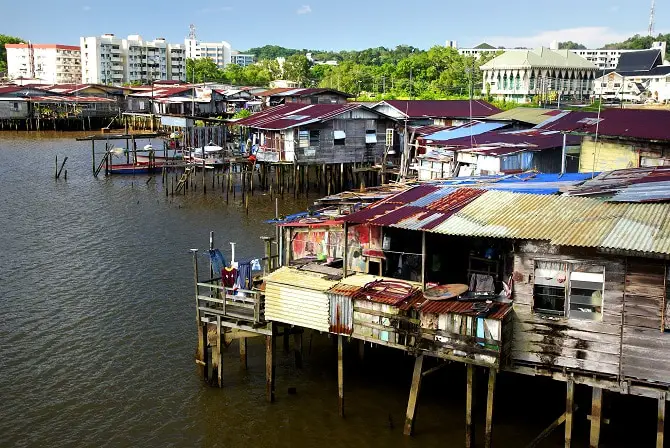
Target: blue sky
(336,25)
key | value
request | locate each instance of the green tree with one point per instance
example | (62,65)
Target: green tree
(570,45)
(296,68)
(203,70)
(4,39)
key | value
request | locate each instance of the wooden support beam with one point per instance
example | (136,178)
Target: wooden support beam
(660,427)
(469,397)
(413,396)
(543,435)
(286,334)
(219,367)
(201,353)
(488,435)
(270,366)
(340,374)
(361,350)
(569,407)
(243,352)
(596,416)
(297,349)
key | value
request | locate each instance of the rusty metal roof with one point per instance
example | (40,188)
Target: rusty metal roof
(499,310)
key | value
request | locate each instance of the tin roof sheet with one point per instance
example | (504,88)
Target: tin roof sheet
(300,279)
(292,115)
(530,115)
(499,311)
(442,108)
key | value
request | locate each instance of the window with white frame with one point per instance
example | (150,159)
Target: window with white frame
(569,289)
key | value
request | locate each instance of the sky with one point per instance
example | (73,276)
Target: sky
(337,25)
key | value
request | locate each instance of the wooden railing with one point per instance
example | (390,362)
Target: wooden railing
(230,303)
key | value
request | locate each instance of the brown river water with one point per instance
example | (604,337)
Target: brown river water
(97,333)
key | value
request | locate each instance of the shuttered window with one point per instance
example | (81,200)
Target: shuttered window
(570,289)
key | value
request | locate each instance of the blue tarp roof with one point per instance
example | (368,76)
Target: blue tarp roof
(522,183)
(465,131)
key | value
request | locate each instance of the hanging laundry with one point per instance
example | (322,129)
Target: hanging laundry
(228,276)
(217,259)
(256,264)
(244,280)
(482,283)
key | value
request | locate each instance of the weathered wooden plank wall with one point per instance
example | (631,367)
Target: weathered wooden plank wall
(590,346)
(645,344)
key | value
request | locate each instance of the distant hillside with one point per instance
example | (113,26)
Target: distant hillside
(638,42)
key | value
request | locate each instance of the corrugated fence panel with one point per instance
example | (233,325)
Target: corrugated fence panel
(303,307)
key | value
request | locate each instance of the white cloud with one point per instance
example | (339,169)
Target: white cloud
(86,8)
(304,9)
(591,36)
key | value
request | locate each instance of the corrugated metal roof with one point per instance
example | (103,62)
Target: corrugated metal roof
(291,115)
(530,115)
(301,279)
(464,130)
(442,108)
(499,311)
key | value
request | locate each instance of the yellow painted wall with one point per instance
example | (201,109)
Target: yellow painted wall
(609,156)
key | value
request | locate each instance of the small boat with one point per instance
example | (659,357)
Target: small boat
(212,155)
(132,168)
(159,157)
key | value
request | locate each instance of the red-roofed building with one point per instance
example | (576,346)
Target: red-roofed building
(626,138)
(321,133)
(274,97)
(436,112)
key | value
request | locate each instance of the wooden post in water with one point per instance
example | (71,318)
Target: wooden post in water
(201,353)
(413,396)
(93,155)
(660,426)
(488,434)
(219,362)
(297,349)
(243,352)
(569,407)
(340,374)
(596,416)
(270,365)
(469,398)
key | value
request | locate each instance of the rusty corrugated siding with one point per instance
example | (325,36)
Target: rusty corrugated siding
(342,308)
(458,307)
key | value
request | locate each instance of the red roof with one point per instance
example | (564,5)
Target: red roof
(498,310)
(443,108)
(10,89)
(646,124)
(70,99)
(290,115)
(160,91)
(300,92)
(45,46)
(64,88)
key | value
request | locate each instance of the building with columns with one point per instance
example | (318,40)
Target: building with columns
(520,76)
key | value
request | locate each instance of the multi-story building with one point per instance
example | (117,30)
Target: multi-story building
(111,60)
(241,59)
(604,59)
(53,63)
(219,52)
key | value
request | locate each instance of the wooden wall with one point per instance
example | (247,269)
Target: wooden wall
(559,342)
(645,344)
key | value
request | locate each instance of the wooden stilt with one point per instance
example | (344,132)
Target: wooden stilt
(219,367)
(201,353)
(243,352)
(488,434)
(361,349)
(569,406)
(340,375)
(286,334)
(413,395)
(297,349)
(660,427)
(596,416)
(270,367)
(469,397)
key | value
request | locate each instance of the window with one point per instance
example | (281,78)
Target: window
(339,138)
(570,289)
(371,136)
(314,137)
(389,137)
(15,106)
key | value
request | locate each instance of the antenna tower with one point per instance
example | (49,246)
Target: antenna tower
(651,18)
(191,31)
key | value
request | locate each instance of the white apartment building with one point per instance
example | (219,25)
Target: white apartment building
(220,52)
(111,60)
(52,63)
(241,59)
